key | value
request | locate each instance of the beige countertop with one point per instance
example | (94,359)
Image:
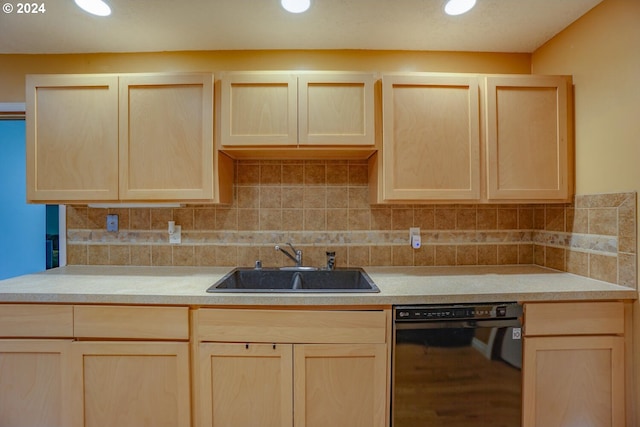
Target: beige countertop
(398,285)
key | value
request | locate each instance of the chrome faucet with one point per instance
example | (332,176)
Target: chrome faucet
(296,257)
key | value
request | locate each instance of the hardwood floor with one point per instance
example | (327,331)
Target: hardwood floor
(454,387)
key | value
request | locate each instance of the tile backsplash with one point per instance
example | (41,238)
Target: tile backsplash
(323,205)
(593,237)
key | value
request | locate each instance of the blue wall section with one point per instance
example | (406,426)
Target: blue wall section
(22,226)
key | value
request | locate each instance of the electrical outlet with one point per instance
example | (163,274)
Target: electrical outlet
(112,222)
(175,238)
(414,237)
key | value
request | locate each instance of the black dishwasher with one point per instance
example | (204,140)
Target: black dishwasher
(457,365)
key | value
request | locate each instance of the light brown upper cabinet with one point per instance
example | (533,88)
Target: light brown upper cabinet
(528,134)
(166,137)
(474,139)
(72,137)
(431,138)
(258,109)
(336,109)
(268,114)
(130,137)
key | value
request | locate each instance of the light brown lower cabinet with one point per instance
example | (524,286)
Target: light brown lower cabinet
(33,383)
(574,365)
(340,385)
(574,381)
(35,342)
(246,384)
(282,385)
(285,379)
(130,384)
(130,367)
(93,366)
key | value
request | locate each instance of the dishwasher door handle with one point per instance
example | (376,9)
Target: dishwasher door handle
(461,324)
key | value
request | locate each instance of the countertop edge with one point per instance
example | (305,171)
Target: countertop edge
(185,286)
(324,300)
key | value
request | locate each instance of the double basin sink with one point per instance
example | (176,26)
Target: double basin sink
(296,280)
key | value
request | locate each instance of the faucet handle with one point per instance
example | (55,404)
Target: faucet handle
(297,253)
(296,256)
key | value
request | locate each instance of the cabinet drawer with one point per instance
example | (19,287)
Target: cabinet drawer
(578,318)
(36,321)
(131,322)
(291,326)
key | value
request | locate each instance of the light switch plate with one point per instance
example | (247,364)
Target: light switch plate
(112,222)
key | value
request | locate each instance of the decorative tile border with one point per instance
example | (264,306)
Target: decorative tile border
(579,242)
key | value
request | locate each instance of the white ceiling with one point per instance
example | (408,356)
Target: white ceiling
(171,25)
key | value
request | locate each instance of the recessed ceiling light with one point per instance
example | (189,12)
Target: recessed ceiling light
(458,7)
(295,6)
(94,7)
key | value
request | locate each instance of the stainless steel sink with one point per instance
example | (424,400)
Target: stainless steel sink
(295,280)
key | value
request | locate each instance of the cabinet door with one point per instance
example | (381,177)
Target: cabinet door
(33,383)
(573,381)
(130,384)
(245,385)
(431,137)
(340,385)
(528,138)
(336,109)
(72,137)
(166,137)
(258,109)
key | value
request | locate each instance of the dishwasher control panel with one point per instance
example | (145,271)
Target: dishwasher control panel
(457,311)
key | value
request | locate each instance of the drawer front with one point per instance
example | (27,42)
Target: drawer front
(291,326)
(576,318)
(41,321)
(153,323)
